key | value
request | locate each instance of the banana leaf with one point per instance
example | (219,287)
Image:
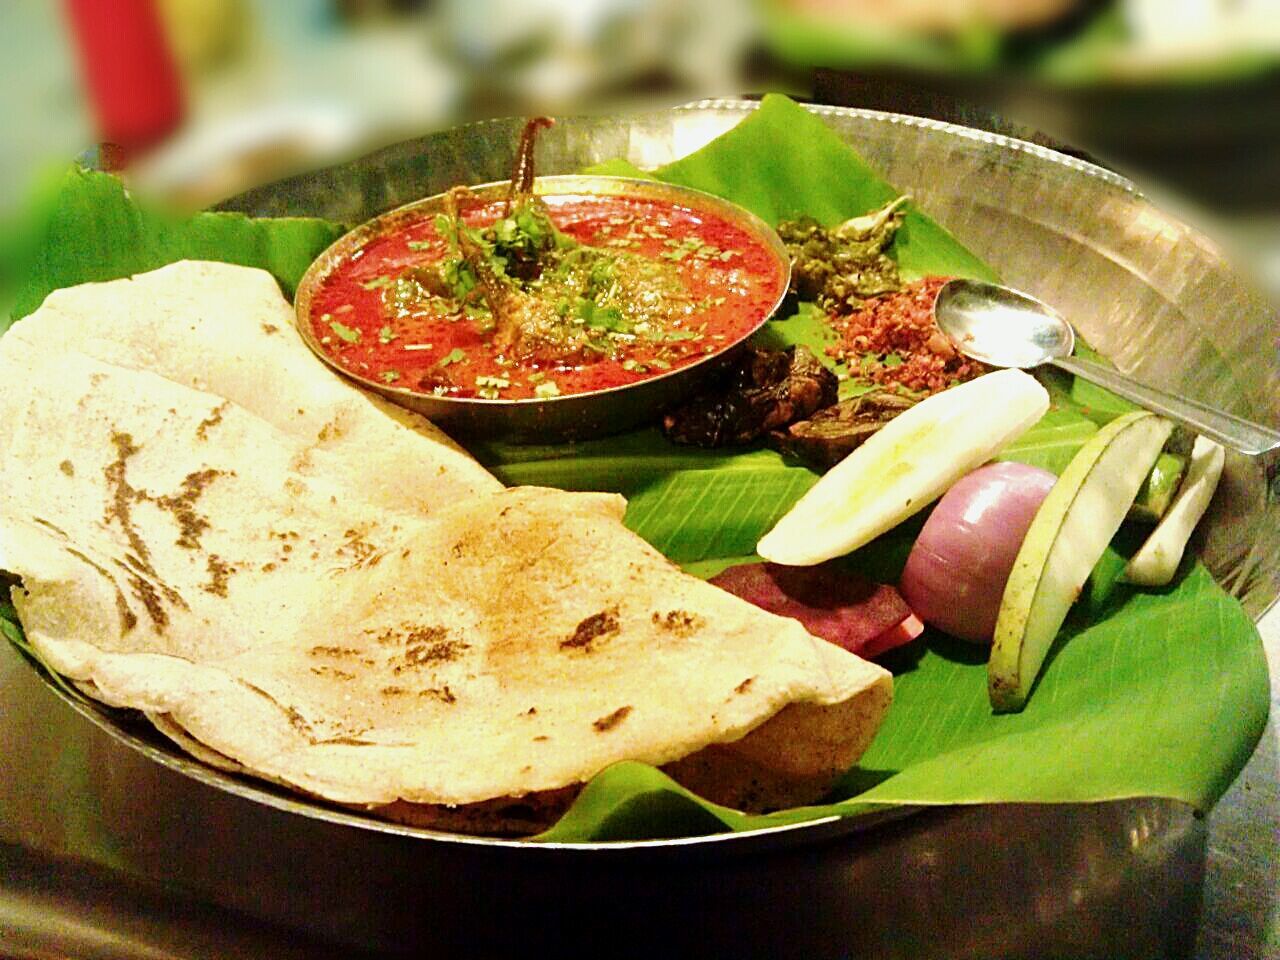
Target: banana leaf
(84,227)
(1090,51)
(806,39)
(1146,693)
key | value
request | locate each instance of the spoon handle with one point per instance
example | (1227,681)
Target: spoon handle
(1228,429)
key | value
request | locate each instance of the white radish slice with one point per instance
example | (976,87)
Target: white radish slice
(905,466)
(1155,564)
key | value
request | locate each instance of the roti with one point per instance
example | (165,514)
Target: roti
(297,581)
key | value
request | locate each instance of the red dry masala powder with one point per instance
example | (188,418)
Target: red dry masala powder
(902,324)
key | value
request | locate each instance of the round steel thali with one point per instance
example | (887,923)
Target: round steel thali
(1118,878)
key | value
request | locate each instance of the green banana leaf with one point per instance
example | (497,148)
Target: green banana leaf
(85,227)
(1155,693)
(1146,693)
(1093,51)
(805,39)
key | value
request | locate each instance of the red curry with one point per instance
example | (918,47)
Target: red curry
(620,290)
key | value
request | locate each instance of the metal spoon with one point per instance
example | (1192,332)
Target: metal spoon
(1006,328)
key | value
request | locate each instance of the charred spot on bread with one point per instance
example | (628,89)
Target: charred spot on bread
(610,720)
(592,629)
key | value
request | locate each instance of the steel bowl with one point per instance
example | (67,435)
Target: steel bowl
(575,416)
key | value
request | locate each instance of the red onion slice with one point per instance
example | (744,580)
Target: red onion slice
(955,576)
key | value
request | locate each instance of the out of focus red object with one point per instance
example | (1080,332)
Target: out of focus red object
(129,71)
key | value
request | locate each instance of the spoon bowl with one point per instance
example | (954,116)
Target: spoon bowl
(1007,328)
(1001,326)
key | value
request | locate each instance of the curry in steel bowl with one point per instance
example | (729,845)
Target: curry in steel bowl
(533,291)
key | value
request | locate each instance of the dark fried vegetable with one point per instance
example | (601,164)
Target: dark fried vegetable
(833,433)
(840,267)
(761,390)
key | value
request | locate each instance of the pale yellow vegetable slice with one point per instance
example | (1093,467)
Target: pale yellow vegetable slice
(1155,564)
(1066,539)
(905,466)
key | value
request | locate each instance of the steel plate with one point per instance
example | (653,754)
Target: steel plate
(1085,880)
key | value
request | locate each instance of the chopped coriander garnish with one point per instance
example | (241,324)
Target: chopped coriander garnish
(390,376)
(457,274)
(444,227)
(481,314)
(659,363)
(601,318)
(453,356)
(345,332)
(488,387)
(419,244)
(600,276)
(546,390)
(634,366)
(377,282)
(682,249)
(386,334)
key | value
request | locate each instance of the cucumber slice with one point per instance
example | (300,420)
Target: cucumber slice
(1066,539)
(1155,564)
(906,466)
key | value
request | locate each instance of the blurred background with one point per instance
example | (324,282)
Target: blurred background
(200,99)
(204,98)
(209,96)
